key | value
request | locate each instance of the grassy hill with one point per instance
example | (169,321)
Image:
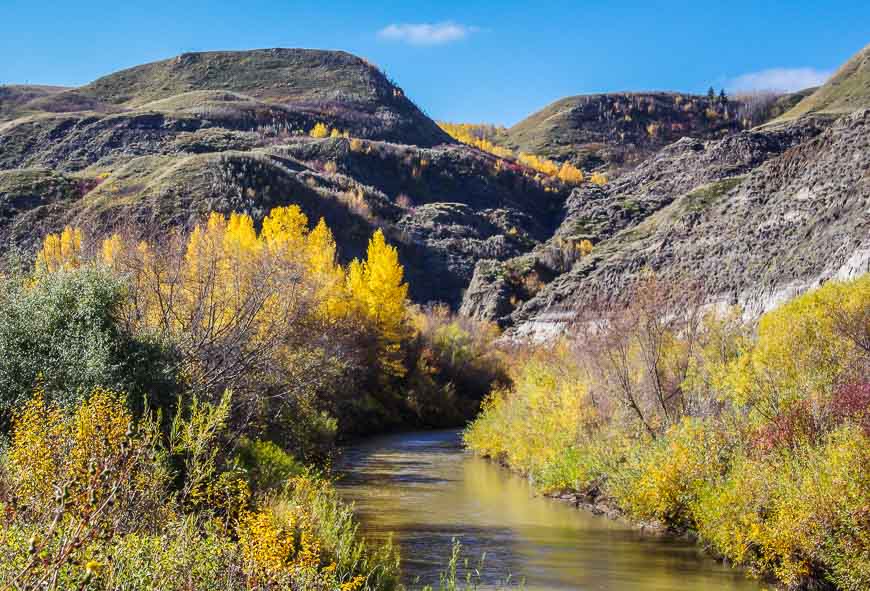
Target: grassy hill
(285,90)
(272,75)
(15,98)
(847,90)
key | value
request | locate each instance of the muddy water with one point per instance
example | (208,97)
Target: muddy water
(426,490)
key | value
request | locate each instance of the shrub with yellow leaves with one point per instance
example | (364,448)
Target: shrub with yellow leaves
(568,173)
(804,349)
(79,480)
(320,130)
(551,395)
(796,514)
(543,165)
(598,178)
(663,479)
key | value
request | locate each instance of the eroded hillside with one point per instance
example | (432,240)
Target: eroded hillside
(751,220)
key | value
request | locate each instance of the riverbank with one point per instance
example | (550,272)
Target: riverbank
(593,502)
(753,437)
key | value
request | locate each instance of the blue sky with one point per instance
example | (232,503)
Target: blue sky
(462,61)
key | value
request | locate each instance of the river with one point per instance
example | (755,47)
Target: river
(426,490)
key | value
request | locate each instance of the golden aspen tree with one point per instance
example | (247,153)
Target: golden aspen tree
(61,251)
(543,165)
(137,264)
(321,263)
(474,135)
(110,250)
(285,228)
(242,261)
(569,173)
(356,284)
(377,286)
(219,268)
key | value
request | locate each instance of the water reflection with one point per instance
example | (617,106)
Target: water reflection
(426,490)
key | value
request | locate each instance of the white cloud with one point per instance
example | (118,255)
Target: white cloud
(780,79)
(426,33)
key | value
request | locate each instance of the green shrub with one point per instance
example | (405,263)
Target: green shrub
(585,466)
(335,527)
(59,330)
(185,555)
(267,466)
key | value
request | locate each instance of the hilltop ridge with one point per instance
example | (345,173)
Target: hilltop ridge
(847,91)
(279,89)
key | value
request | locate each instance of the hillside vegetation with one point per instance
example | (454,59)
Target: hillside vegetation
(617,131)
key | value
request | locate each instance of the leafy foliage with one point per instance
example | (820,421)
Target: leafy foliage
(92,500)
(480,136)
(176,384)
(60,330)
(380,294)
(758,442)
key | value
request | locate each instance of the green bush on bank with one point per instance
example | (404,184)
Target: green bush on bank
(61,330)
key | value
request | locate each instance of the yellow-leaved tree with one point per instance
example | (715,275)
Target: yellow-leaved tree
(285,233)
(61,251)
(323,270)
(568,173)
(231,298)
(380,293)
